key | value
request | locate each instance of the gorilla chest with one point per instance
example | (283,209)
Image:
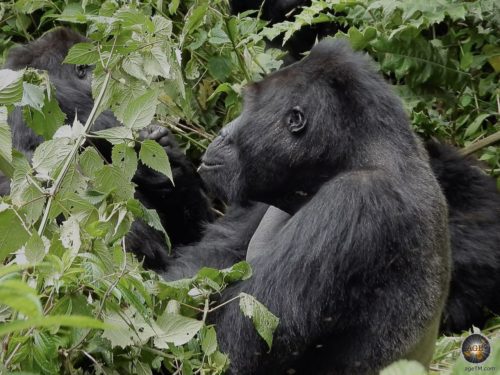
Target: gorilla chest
(272,221)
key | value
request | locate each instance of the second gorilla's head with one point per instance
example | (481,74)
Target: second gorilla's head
(304,124)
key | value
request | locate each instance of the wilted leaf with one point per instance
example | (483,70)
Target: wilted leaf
(264,321)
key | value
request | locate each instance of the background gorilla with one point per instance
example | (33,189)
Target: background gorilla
(473,199)
(353,255)
(182,208)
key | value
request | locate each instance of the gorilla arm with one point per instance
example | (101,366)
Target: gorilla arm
(224,243)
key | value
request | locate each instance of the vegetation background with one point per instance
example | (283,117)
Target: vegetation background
(72,300)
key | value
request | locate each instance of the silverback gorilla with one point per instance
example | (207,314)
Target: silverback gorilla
(472,196)
(182,209)
(353,252)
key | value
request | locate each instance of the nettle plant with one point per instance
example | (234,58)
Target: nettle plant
(72,299)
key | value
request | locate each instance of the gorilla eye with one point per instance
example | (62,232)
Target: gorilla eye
(296,120)
(81,70)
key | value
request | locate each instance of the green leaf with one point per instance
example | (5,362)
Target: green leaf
(90,162)
(150,216)
(474,125)
(125,159)
(115,135)
(141,110)
(176,329)
(13,235)
(49,156)
(133,64)
(404,367)
(82,54)
(154,156)
(35,249)
(46,121)
(239,271)
(219,67)
(5,137)
(156,63)
(22,298)
(129,327)
(110,179)
(11,86)
(209,341)
(33,96)
(74,321)
(264,321)
(195,18)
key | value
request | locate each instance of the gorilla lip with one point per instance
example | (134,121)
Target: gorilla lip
(209,165)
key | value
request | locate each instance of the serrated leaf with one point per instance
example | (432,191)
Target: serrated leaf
(125,159)
(70,235)
(115,135)
(219,67)
(141,110)
(156,63)
(154,156)
(149,216)
(82,54)
(35,249)
(90,162)
(133,64)
(239,271)
(33,96)
(49,156)
(176,329)
(13,235)
(11,86)
(263,320)
(110,179)
(48,120)
(209,341)
(128,328)
(19,296)
(5,137)
(31,201)
(162,26)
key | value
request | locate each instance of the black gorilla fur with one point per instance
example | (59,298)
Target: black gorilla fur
(473,199)
(357,262)
(183,209)
(474,222)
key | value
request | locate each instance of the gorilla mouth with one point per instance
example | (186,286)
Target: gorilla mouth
(209,165)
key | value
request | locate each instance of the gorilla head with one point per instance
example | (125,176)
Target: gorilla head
(72,83)
(302,125)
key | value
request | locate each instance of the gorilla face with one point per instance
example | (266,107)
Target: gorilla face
(72,83)
(275,151)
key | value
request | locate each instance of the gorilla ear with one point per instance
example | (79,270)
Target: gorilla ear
(296,120)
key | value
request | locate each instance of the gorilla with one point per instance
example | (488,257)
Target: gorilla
(472,196)
(349,242)
(183,209)
(474,224)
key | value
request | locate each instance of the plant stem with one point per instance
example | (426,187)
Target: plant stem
(473,147)
(72,154)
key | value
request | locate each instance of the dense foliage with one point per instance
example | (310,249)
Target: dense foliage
(72,299)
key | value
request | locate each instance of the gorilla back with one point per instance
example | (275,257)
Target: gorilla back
(358,273)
